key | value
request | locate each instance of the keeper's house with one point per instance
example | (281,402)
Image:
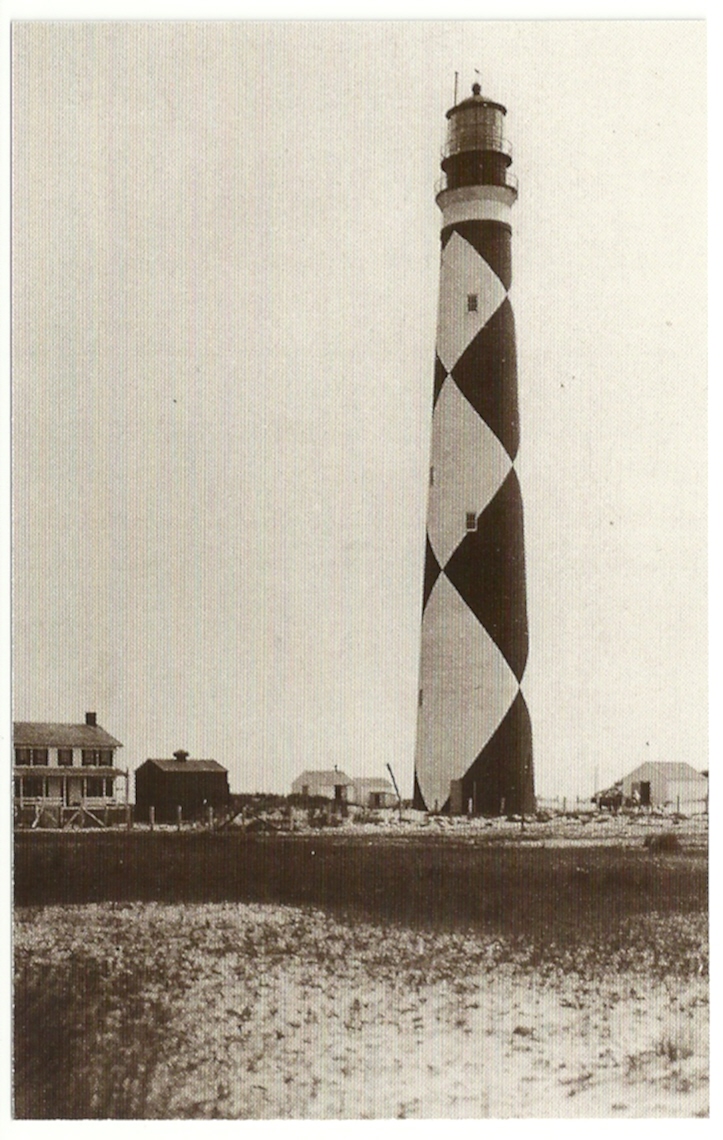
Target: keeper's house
(192,785)
(66,766)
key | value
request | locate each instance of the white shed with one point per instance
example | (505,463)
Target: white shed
(374,793)
(327,782)
(667,783)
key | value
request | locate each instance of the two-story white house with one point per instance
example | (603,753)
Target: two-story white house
(67,766)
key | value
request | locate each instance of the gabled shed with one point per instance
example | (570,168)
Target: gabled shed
(329,783)
(371,792)
(666,784)
(192,785)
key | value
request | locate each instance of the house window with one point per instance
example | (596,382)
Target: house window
(18,788)
(65,757)
(97,787)
(34,787)
(22,755)
(106,757)
(471,302)
(39,756)
(95,757)
(471,520)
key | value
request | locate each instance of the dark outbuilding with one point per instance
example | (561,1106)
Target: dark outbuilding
(192,785)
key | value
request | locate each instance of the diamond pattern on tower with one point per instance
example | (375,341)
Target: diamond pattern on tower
(488,570)
(446,235)
(503,771)
(465,699)
(440,375)
(473,723)
(464,272)
(487,375)
(431,573)
(469,465)
(493,242)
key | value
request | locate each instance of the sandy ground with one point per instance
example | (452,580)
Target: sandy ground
(250,1011)
(588,829)
(583,828)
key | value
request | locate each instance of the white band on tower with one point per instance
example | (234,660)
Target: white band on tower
(476,204)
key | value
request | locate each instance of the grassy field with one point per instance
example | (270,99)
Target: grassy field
(430,880)
(192,976)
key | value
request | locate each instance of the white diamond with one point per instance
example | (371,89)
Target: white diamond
(470,465)
(467,687)
(464,273)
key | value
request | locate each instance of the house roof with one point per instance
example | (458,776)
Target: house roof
(173,765)
(323,776)
(37,734)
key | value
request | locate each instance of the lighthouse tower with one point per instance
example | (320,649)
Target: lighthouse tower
(474,740)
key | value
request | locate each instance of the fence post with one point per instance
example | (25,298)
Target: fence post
(179,816)
(152,816)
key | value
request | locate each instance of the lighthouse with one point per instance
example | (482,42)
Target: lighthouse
(474,738)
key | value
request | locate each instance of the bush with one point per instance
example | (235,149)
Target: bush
(664,842)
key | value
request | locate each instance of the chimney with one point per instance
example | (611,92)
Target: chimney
(180,755)
(90,720)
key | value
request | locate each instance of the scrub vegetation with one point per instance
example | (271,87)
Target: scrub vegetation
(196,976)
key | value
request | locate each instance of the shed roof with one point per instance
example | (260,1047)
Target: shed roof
(672,769)
(38,734)
(324,776)
(173,765)
(373,784)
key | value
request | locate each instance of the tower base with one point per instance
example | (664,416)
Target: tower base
(501,780)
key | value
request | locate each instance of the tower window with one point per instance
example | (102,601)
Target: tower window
(431,476)
(421,697)
(471,302)
(471,520)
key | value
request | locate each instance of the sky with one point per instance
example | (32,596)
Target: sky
(225,273)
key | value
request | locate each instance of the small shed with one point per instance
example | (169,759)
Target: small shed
(328,783)
(192,785)
(667,784)
(374,793)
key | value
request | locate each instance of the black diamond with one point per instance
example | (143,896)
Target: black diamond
(502,776)
(493,242)
(432,570)
(486,373)
(440,375)
(488,571)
